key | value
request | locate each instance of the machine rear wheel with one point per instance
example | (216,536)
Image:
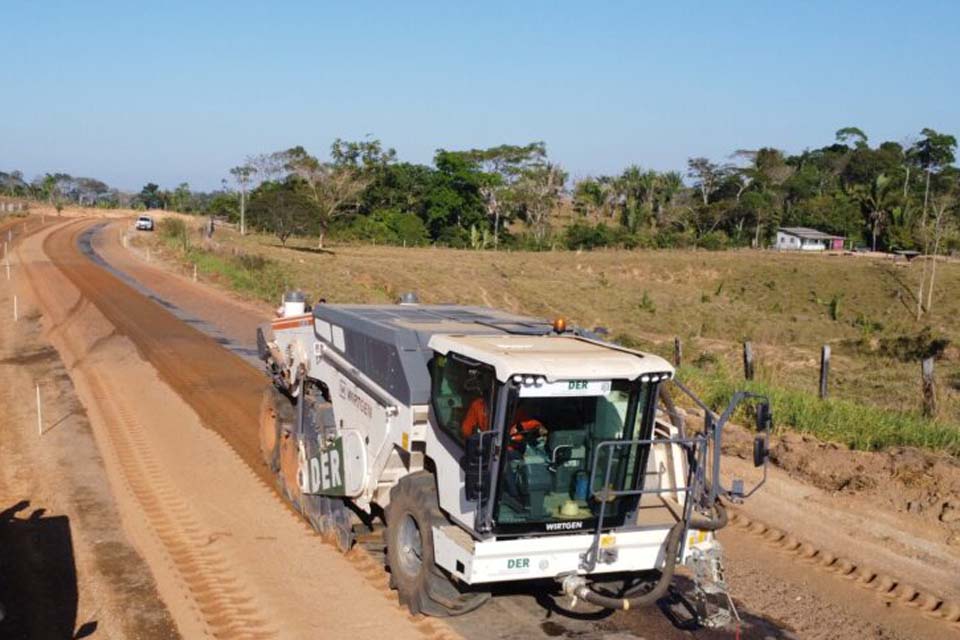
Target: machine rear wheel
(275,412)
(289,456)
(422,586)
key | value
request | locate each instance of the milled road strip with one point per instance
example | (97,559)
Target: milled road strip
(86,243)
(212,530)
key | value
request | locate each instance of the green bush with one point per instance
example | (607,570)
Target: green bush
(527,241)
(246,273)
(581,235)
(714,241)
(668,239)
(915,347)
(175,231)
(389,226)
(637,240)
(647,304)
(172,228)
(252,261)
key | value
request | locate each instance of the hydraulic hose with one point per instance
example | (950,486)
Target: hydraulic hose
(717,522)
(650,597)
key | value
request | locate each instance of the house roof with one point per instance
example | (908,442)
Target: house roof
(809,234)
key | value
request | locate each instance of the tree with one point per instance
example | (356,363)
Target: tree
(48,186)
(932,152)
(635,191)
(498,170)
(454,200)
(589,197)
(706,175)
(399,187)
(669,185)
(766,175)
(940,208)
(180,200)
(151,197)
(538,191)
(852,133)
(243,176)
(331,185)
(365,155)
(13,184)
(224,205)
(283,208)
(503,167)
(876,201)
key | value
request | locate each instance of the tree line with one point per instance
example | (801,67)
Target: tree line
(893,195)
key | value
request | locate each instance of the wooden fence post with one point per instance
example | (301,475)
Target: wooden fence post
(929,388)
(824,370)
(747,361)
(677,352)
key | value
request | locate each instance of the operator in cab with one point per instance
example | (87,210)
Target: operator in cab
(477,419)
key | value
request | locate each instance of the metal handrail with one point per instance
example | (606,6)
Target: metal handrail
(696,453)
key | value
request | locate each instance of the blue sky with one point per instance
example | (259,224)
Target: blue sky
(181,91)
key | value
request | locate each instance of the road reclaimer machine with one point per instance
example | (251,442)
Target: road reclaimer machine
(497,449)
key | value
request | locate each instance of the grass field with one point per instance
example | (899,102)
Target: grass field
(788,305)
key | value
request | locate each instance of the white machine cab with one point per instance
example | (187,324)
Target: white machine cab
(554,358)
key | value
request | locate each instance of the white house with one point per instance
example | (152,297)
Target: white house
(804,239)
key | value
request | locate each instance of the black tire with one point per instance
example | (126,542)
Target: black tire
(422,586)
(276,413)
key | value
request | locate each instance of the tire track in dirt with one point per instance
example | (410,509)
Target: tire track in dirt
(863,575)
(223,603)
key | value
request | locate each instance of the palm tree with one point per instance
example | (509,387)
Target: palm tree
(669,185)
(49,187)
(876,200)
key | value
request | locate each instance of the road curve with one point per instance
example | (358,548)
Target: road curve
(220,386)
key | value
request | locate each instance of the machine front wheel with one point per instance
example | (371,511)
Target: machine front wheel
(422,586)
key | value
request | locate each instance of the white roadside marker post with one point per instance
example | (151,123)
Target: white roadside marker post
(16,316)
(194,272)
(39,413)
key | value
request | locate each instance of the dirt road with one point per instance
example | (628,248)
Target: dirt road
(164,397)
(229,560)
(67,567)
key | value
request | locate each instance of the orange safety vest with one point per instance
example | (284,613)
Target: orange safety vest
(476,420)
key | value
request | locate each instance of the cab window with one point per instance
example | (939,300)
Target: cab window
(462,395)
